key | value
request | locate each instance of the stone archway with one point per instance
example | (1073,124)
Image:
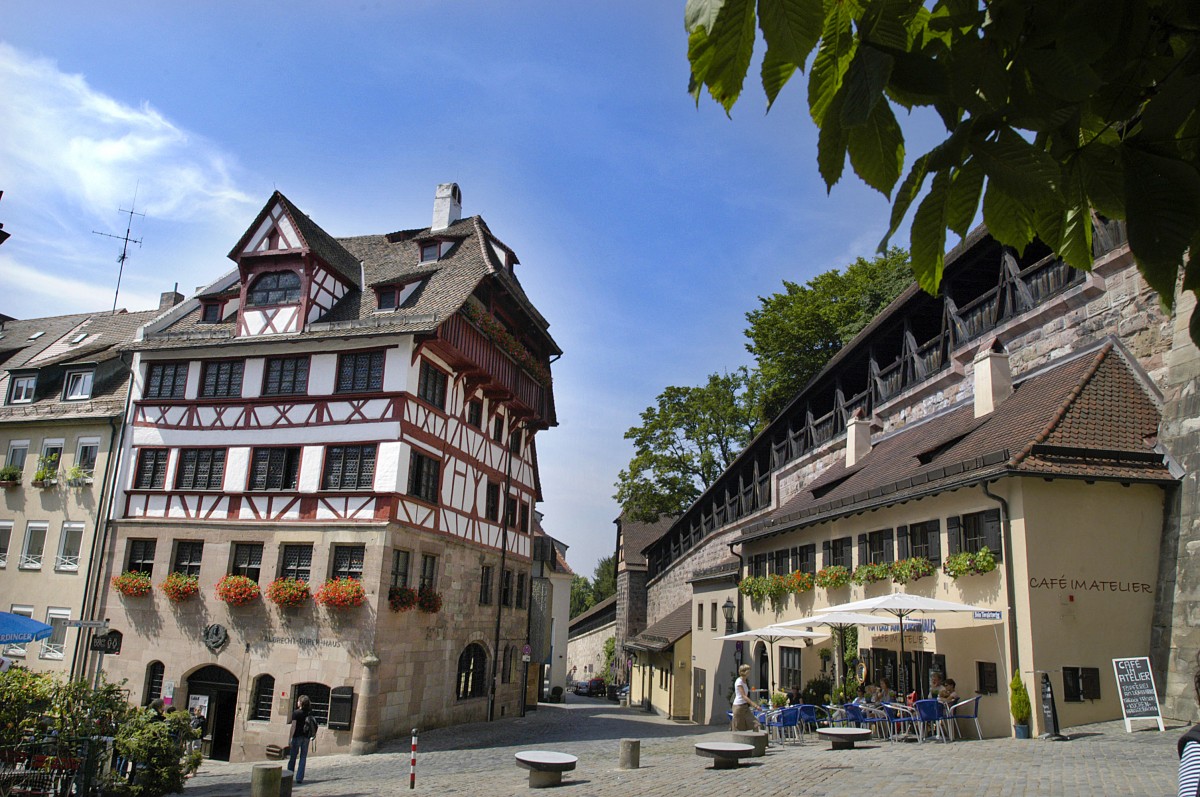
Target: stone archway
(217,690)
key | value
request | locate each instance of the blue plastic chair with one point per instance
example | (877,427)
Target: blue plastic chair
(931,714)
(812,716)
(954,716)
(897,717)
(785,722)
(855,714)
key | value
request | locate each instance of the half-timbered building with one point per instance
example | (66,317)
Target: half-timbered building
(359,408)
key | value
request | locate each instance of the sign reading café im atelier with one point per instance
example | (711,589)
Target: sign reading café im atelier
(1088,584)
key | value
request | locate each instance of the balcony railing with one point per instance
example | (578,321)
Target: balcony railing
(473,345)
(31,561)
(66,563)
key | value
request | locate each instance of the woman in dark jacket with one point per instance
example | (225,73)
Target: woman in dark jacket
(299,739)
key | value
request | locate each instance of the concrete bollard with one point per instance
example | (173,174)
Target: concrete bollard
(285,783)
(631,753)
(265,780)
(757,739)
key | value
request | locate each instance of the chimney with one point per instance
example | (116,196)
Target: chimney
(168,300)
(858,438)
(447,206)
(993,378)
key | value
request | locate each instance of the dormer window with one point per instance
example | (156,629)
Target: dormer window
(430,251)
(391,297)
(22,389)
(274,287)
(210,313)
(78,385)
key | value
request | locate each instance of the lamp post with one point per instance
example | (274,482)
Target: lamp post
(728,610)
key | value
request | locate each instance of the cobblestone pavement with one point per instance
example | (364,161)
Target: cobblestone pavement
(477,759)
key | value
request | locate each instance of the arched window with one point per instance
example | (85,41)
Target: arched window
(318,694)
(274,287)
(154,682)
(472,672)
(264,692)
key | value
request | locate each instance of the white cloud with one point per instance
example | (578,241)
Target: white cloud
(67,296)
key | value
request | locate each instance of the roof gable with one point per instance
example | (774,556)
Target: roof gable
(282,227)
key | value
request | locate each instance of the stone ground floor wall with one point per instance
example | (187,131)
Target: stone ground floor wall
(403,666)
(585,653)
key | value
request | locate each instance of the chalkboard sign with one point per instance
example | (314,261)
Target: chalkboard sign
(1049,712)
(1135,685)
(109,643)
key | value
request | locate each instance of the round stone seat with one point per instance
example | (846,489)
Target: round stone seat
(725,755)
(545,766)
(844,738)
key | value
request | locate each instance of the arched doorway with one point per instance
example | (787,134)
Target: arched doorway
(218,688)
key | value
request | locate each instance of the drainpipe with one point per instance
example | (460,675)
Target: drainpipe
(741,568)
(1009,579)
(491,713)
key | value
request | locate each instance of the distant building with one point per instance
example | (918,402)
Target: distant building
(333,409)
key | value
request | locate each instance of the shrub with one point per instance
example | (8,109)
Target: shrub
(870,573)
(778,699)
(401,599)
(1019,700)
(133,584)
(817,691)
(341,593)
(180,586)
(288,592)
(428,600)
(10,473)
(909,570)
(237,590)
(159,762)
(832,577)
(59,712)
(969,564)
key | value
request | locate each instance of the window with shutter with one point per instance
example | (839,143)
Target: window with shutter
(902,543)
(1089,683)
(826,554)
(840,553)
(780,560)
(864,550)
(991,533)
(953,536)
(758,565)
(879,547)
(1071,686)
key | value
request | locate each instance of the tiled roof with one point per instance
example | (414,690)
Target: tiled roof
(666,632)
(1089,416)
(636,536)
(322,244)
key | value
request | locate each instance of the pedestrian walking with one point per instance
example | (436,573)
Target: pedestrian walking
(743,717)
(298,744)
(1189,750)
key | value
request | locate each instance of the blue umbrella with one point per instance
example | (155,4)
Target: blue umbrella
(17,630)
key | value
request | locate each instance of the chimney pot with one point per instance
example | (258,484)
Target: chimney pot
(169,299)
(993,378)
(447,206)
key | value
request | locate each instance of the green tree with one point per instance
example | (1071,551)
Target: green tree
(604,580)
(793,334)
(1054,111)
(685,442)
(581,595)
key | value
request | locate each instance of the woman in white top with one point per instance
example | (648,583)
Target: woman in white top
(743,718)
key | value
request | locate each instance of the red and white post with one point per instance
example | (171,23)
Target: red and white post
(412,764)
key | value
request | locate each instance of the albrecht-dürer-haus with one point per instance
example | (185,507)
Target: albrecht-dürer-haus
(360,408)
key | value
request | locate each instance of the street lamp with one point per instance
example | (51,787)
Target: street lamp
(728,610)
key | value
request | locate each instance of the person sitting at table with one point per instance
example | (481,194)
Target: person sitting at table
(949,692)
(883,692)
(793,696)
(935,685)
(861,697)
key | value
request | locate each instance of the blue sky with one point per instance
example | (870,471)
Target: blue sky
(646,228)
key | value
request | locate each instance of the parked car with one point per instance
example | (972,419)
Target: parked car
(594,688)
(580,687)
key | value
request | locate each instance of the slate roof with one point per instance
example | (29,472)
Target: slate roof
(1089,416)
(636,536)
(666,632)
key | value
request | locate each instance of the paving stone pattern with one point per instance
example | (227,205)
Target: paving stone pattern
(477,759)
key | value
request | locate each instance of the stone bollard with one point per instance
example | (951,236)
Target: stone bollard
(265,780)
(285,783)
(631,753)
(757,739)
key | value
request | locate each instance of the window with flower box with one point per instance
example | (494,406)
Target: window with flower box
(247,560)
(876,547)
(286,376)
(348,561)
(222,379)
(87,449)
(974,531)
(804,558)
(166,380)
(274,469)
(400,559)
(188,554)
(428,571)
(838,552)
(141,557)
(151,469)
(920,539)
(200,469)
(349,467)
(296,562)
(360,372)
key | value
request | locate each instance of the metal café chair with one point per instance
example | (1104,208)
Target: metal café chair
(954,715)
(858,715)
(785,722)
(930,720)
(898,715)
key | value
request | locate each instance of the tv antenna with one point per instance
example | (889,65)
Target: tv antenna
(125,242)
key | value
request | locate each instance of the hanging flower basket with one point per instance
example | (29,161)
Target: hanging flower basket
(913,569)
(401,599)
(799,582)
(237,590)
(872,573)
(288,592)
(969,564)
(341,593)
(832,577)
(180,586)
(428,600)
(133,584)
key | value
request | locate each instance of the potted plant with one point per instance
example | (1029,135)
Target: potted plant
(10,476)
(401,599)
(237,590)
(870,573)
(1018,699)
(778,699)
(832,577)
(180,586)
(78,477)
(341,593)
(133,584)
(46,474)
(428,600)
(288,593)
(966,563)
(913,569)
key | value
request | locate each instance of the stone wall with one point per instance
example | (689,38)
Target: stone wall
(585,653)
(631,604)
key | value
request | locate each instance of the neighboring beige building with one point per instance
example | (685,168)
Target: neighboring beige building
(661,671)
(361,409)
(63,383)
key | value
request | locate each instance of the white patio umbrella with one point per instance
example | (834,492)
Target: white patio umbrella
(838,621)
(902,605)
(771,634)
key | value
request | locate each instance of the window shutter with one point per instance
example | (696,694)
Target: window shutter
(1071,693)
(889,550)
(902,542)
(935,543)
(953,535)
(826,553)
(991,533)
(1089,683)
(864,551)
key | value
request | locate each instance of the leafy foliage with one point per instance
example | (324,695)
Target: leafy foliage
(586,593)
(1054,111)
(969,564)
(817,691)
(157,749)
(237,590)
(10,473)
(341,593)
(133,584)
(180,586)
(913,569)
(1018,698)
(429,600)
(581,595)
(793,334)
(288,592)
(832,577)
(32,702)
(685,442)
(401,599)
(871,573)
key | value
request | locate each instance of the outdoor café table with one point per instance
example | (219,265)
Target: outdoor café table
(843,738)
